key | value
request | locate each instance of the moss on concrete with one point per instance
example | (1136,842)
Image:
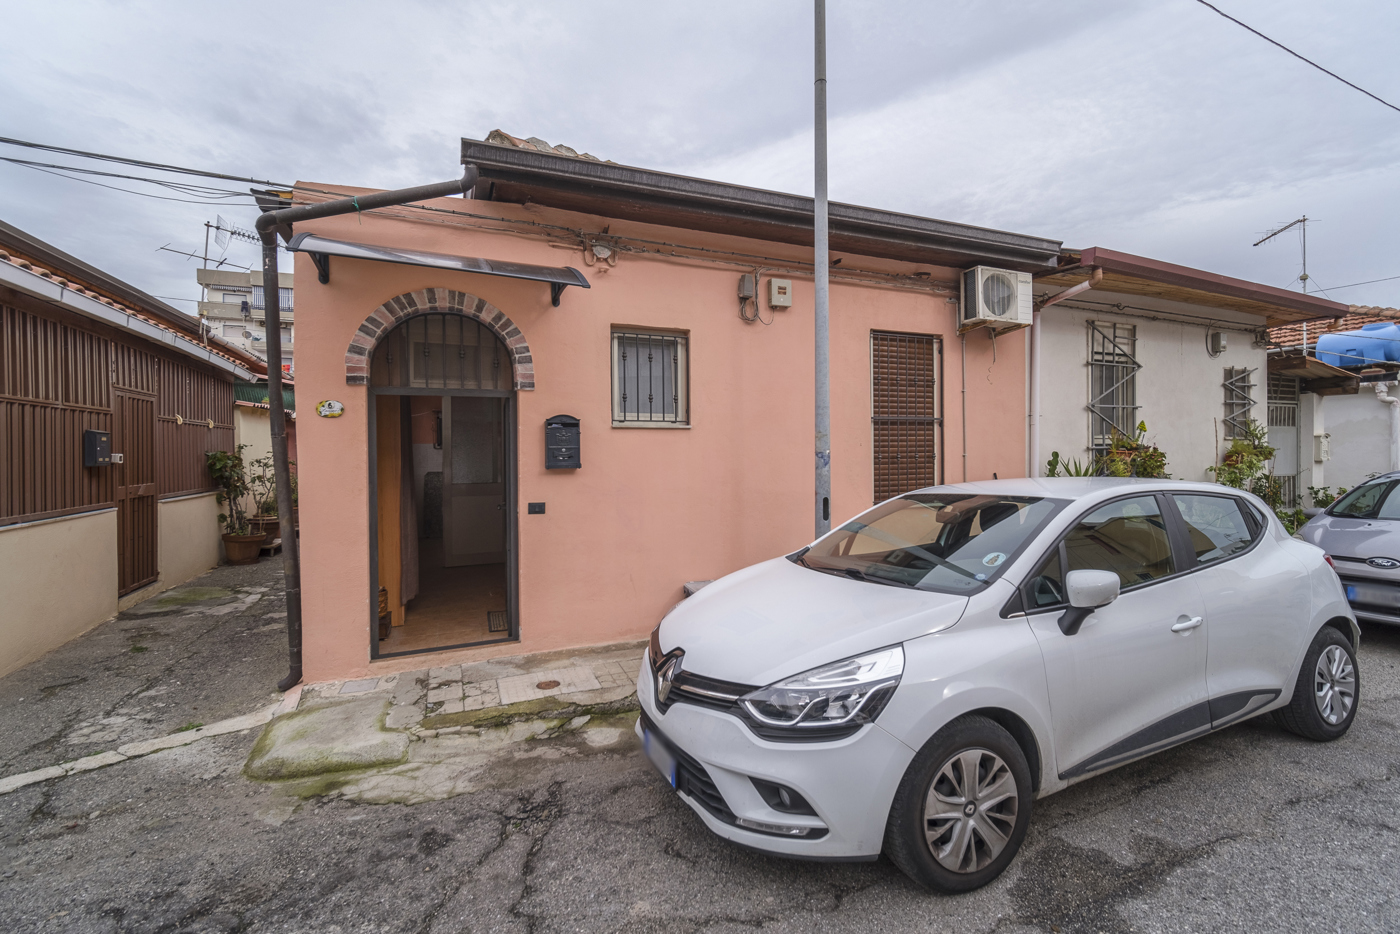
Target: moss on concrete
(327,738)
(545,708)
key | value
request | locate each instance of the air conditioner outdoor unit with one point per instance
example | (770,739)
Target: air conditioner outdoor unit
(995,298)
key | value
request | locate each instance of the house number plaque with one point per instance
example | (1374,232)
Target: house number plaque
(330,409)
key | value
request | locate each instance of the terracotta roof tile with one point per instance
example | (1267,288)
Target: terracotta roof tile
(502,138)
(1291,335)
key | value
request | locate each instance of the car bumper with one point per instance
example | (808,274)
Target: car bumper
(1373,601)
(849,782)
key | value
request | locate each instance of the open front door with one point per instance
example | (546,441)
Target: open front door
(473,480)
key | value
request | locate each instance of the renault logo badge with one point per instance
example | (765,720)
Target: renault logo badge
(667,675)
(1384,564)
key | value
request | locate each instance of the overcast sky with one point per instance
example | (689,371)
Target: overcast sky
(1155,128)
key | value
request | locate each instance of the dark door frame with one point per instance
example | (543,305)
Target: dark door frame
(512,517)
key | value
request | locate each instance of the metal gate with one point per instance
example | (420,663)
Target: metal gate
(905,413)
(134,437)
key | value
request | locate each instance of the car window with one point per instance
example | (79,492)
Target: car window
(1390,507)
(1046,588)
(1215,525)
(949,541)
(1127,537)
(1361,502)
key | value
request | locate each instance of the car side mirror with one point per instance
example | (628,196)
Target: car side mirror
(1086,591)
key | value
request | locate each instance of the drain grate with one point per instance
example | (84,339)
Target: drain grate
(496,621)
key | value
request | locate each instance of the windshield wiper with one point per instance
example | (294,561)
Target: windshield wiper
(857,574)
(905,546)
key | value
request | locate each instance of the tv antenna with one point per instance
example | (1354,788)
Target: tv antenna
(1302,224)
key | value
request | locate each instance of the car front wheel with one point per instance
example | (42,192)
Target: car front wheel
(961,810)
(1329,686)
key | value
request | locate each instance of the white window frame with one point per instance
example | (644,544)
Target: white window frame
(679,341)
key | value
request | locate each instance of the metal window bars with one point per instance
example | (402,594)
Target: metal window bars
(649,378)
(905,417)
(440,351)
(1239,399)
(1283,401)
(1113,369)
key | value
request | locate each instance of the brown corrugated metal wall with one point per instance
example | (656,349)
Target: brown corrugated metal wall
(60,375)
(905,417)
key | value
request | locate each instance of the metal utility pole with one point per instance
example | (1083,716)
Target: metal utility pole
(823,288)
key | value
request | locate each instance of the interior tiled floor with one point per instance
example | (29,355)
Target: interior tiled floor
(451,605)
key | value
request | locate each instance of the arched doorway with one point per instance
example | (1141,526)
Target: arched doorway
(442,486)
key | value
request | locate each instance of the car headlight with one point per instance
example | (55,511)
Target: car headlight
(847,693)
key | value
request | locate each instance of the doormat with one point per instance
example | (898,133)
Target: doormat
(496,621)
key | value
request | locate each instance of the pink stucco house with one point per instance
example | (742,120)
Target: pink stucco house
(555,408)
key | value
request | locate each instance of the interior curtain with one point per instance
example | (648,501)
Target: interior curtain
(408,511)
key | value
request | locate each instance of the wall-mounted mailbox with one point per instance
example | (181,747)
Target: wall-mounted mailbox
(97,448)
(561,443)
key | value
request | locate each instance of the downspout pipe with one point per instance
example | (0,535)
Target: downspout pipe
(1394,403)
(280,220)
(1033,442)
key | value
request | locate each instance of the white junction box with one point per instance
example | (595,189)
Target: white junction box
(779,293)
(996,298)
(1322,448)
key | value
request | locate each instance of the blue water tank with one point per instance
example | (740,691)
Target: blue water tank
(1370,344)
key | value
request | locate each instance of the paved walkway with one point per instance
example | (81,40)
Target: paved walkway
(202,661)
(432,700)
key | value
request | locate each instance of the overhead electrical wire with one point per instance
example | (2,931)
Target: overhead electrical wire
(1299,57)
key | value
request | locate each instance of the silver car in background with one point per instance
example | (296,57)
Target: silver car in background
(1360,533)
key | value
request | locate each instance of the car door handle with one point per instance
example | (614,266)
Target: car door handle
(1186,624)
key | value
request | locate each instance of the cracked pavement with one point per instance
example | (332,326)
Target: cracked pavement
(1250,829)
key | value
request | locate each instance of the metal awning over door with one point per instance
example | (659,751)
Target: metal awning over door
(321,249)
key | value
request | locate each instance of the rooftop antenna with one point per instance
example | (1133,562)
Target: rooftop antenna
(1302,224)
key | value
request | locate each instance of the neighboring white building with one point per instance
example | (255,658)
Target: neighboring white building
(1343,434)
(1178,348)
(234,310)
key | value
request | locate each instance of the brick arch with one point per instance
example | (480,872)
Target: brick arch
(436,301)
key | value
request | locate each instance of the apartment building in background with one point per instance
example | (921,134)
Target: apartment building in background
(234,309)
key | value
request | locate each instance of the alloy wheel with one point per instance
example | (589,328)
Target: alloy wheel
(1334,685)
(970,810)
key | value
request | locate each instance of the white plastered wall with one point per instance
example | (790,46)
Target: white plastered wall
(189,538)
(1179,388)
(1360,429)
(60,581)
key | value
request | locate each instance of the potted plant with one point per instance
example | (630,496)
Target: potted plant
(241,544)
(262,481)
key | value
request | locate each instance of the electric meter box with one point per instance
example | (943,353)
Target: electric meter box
(779,293)
(97,448)
(1322,447)
(561,443)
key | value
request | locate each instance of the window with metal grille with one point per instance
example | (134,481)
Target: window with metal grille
(905,412)
(1113,369)
(1283,401)
(650,378)
(441,351)
(284,297)
(1239,399)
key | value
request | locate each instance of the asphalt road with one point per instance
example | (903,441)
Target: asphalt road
(1251,829)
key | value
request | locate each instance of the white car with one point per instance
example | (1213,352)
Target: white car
(910,682)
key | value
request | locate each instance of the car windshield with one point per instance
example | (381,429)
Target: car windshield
(1375,500)
(950,542)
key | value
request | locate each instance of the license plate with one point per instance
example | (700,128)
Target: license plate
(1374,595)
(659,755)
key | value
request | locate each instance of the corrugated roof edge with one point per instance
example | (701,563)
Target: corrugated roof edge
(499,160)
(68,271)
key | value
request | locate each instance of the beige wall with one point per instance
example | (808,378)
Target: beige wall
(59,579)
(189,538)
(1180,390)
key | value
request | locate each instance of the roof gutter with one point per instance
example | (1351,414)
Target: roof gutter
(276,221)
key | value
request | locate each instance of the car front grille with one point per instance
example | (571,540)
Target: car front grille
(691,777)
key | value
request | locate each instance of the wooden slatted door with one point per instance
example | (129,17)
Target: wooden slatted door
(134,437)
(905,416)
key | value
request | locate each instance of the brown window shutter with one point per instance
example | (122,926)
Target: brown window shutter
(904,371)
